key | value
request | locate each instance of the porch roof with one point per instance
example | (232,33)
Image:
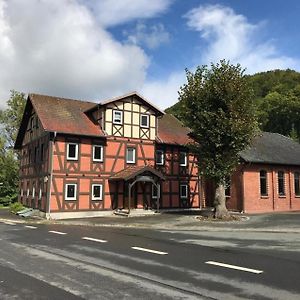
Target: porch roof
(133,171)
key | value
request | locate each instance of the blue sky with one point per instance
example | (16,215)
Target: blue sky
(88,49)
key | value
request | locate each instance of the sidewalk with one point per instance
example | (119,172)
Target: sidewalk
(180,221)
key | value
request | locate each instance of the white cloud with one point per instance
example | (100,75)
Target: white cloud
(57,47)
(151,37)
(115,12)
(164,91)
(231,36)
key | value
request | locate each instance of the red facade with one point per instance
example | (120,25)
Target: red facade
(74,172)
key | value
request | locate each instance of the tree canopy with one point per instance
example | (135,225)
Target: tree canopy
(277,97)
(217,105)
(10,119)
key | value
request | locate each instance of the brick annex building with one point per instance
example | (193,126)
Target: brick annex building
(80,159)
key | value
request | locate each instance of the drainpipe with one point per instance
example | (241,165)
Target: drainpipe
(50,159)
(290,188)
(200,192)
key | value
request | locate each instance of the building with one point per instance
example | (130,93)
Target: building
(79,158)
(268,178)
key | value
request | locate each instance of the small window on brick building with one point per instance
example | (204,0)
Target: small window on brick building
(97,192)
(71,191)
(183,191)
(227,186)
(97,153)
(159,157)
(42,152)
(263,183)
(130,155)
(281,183)
(72,151)
(183,159)
(297,183)
(117,117)
(145,121)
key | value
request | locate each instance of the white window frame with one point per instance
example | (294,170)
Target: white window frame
(186,189)
(101,191)
(162,154)
(22,192)
(76,151)
(75,192)
(134,156)
(97,159)
(185,159)
(158,191)
(33,191)
(40,193)
(28,192)
(148,121)
(121,117)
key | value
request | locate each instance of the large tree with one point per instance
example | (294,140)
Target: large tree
(10,119)
(217,105)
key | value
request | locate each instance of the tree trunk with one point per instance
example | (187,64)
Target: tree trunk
(221,211)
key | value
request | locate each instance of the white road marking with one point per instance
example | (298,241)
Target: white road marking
(234,267)
(149,250)
(93,240)
(31,227)
(57,232)
(9,223)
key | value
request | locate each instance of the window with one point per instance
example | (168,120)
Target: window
(154,191)
(72,151)
(117,117)
(40,193)
(183,159)
(263,183)
(97,153)
(28,192)
(29,156)
(183,191)
(22,192)
(42,152)
(35,158)
(97,192)
(71,191)
(159,157)
(31,123)
(130,155)
(297,183)
(33,191)
(145,121)
(227,186)
(281,183)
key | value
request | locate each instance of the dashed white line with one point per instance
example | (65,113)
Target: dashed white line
(94,240)
(31,227)
(234,267)
(57,232)
(9,223)
(149,250)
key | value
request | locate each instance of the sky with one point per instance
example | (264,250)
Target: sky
(94,50)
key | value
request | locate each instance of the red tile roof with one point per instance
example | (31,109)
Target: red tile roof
(133,171)
(172,131)
(69,116)
(64,115)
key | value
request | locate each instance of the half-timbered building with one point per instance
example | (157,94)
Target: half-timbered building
(79,158)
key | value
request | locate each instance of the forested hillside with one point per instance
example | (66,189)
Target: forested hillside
(277,95)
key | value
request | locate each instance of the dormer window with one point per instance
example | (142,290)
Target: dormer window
(183,159)
(145,121)
(117,117)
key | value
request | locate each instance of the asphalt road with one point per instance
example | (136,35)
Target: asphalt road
(80,262)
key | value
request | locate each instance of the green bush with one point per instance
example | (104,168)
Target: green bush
(15,207)
(5,201)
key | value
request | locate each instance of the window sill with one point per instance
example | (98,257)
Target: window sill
(282,196)
(70,200)
(264,197)
(94,200)
(72,159)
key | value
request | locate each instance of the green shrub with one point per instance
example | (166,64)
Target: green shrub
(15,207)
(5,201)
